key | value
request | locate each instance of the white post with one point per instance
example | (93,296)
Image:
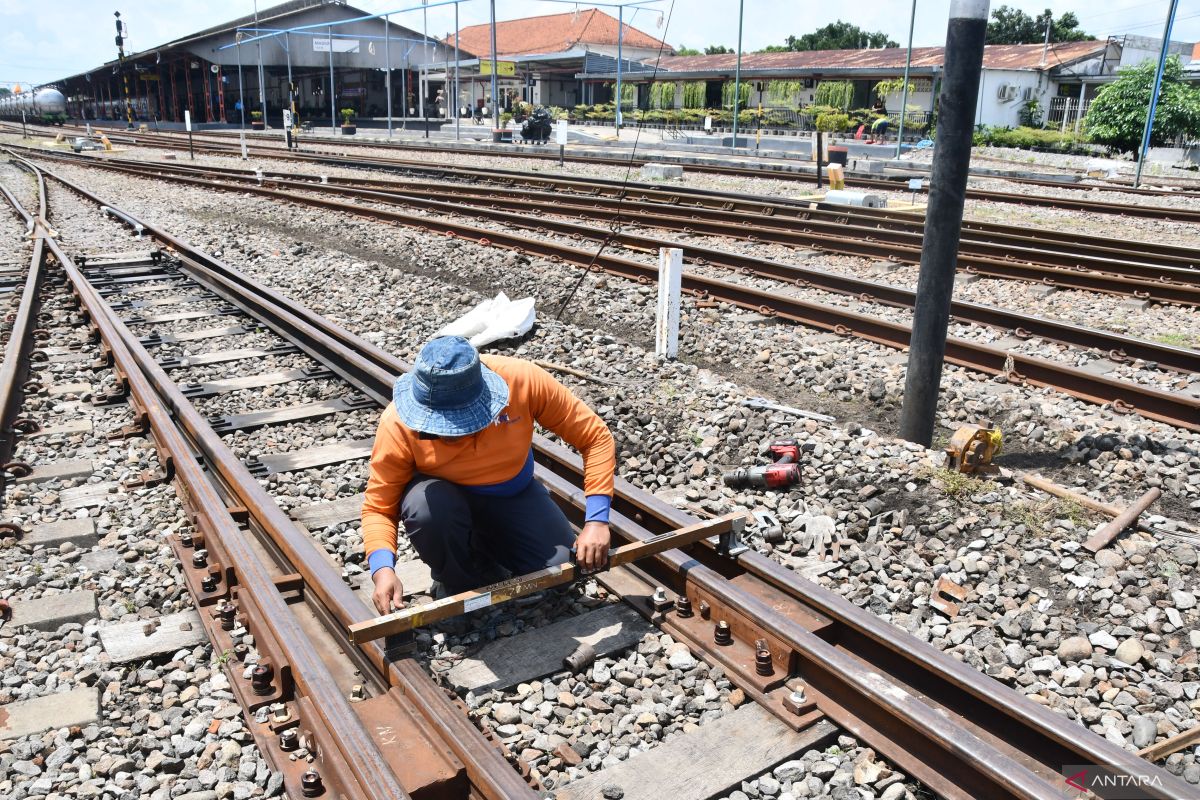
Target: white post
(670,275)
(242,136)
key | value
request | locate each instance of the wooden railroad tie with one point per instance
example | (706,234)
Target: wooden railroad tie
(407,619)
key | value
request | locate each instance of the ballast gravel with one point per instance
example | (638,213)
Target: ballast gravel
(1033,596)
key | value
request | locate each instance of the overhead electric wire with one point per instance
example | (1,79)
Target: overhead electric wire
(614,227)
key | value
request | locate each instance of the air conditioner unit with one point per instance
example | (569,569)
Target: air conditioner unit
(1027,93)
(1007,92)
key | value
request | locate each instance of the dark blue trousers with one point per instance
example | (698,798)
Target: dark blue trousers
(462,535)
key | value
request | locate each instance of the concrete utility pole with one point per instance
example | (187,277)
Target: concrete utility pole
(1162,63)
(495,104)
(124,74)
(737,74)
(904,91)
(620,42)
(965,37)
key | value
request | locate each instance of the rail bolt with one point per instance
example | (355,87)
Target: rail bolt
(762,659)
(705,609)
(310,784)
(186,539)
(683,606)
(200,559)
(228,614)
(582,658)
(280,712)
(209,583)
(721,633)
(659,599)
(289,740)
(260,679)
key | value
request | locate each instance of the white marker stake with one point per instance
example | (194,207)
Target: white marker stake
(187,123)
(670,276)
(242,136)
(560,136)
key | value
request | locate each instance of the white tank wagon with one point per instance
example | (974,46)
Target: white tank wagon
(41,105)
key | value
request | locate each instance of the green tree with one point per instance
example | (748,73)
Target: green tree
(839,36)
(717,50)
(5,91)
(1014,26)
(684,50)
(1118,114)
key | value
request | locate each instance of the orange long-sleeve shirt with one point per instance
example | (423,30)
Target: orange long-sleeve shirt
(494,456)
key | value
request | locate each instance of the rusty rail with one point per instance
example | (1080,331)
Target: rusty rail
(21,338)
(917,706)
(1176,409)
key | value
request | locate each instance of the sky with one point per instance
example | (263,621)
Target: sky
(43,41)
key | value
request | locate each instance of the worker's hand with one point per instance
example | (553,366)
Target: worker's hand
(591,546)
(389,592)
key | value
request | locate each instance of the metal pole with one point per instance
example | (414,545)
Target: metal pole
(425,63)
(124,74)
(241,88)
(495,104)
(737,74)
(287,41)
(965,36)
(387,57)
(904,91)
(262,75)
(457,97)
(617,117)
(332,91)
(1162,62)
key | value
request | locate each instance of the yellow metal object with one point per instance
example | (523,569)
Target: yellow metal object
(837,177)
(972,447)
(107,144)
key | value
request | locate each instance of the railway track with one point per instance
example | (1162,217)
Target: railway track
(766,168)
(1160,277)
(270,596)
(1177,408)
(990,240)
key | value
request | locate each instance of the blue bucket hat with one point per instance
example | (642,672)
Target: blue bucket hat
(449,392)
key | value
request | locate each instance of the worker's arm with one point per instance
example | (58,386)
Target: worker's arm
(558,410)
(391,469)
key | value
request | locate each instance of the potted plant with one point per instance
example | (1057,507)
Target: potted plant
(256,120)
(348,127)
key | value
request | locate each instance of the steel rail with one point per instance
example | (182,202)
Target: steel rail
(962,760)
(1114,346)
(486,768)
(1028,732)
(1069,247)
(779,172)
(1175,409)
(997,260)
(21,337)
(357,757)
(845,705)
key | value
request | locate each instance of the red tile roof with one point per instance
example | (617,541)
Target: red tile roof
(995,56)
(554,33)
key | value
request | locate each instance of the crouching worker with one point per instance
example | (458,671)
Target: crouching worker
(453,461)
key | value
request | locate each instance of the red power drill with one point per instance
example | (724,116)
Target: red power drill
(782,474)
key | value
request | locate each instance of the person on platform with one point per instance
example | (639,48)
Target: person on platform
(453,462)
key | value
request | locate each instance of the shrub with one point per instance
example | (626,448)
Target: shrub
(1040,138)
(347,115)
(833,123)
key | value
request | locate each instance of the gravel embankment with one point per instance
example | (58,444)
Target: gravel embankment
(1110,642)
(168,726)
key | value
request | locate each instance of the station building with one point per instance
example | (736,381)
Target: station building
(547,54)
(209,72)
(1061,78)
